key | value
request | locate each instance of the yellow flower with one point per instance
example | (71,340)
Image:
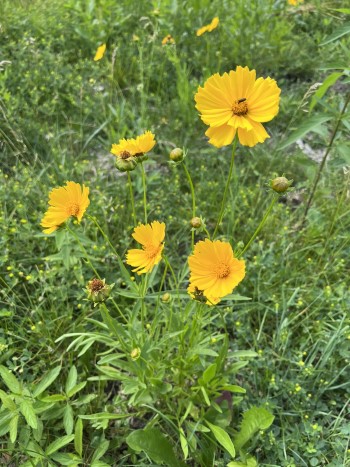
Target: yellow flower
(237,102)
(168,40)
(295,2)
(134,146)
(209,27)
(215,272)
(151,237)
(64,202)
(100,52)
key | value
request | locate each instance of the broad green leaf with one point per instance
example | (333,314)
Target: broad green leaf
(7,401)
(58,444)
(310,124)
(250,462)
(71,379)
(209,373)
(68,421)
(5,419)
(254,420)
(102,448)
(26,409)
(78,437)
(223,438)
(13,428)
(155,445)
(339,32)
(54,398)
(10,380)
(321,91)
(47,380)
(233,388)
(63,458)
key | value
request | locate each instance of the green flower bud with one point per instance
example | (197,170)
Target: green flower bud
(135,353)
(166,298)
(177,155)
(141,157)
(125,162)
(98,291)
(280,184)
(196,222)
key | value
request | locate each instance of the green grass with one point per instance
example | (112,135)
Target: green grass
(60,113)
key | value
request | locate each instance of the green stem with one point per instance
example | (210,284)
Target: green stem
(132,199)
(94,220)
(193,197)
(320,169)
(106,317)
(261,225)
(223,202)
(144,191)
(83,249)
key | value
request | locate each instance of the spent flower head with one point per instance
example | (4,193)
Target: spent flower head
(98,291)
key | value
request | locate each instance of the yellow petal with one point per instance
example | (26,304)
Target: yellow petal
(100,52)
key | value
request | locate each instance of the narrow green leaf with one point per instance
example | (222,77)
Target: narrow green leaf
(68,421)
(10,380)
(222,438)
(321,91)
(78,437)
(13,428)
(183,442)
(71,379)
(76,388)
(243,354)
(310,124)
(26,409)
(102,448)
(205,395)
(104,416)
(233,388)
(339,32)
(7,402)
(54,398)
(47,380)
(58,444)
(254,420)
(209,373)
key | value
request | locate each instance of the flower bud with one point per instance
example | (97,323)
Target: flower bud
(126,165)
(135,353)
(98,291)
(141,157)
(280,184)
(196,222)
(166,298)
(177,155)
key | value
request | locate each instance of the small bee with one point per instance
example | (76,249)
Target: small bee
(241,100)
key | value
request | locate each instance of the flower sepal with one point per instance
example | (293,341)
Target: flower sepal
(126,165)
(98,291)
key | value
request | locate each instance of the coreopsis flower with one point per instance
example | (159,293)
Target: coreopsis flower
(209,27)
(129,152)
(215,272)
(151,237)
(100,52)
(295,2)
(237,102)
(64,202)
(168,39)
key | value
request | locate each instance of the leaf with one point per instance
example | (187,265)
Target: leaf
(47,380)
(71,379)
(243,354)
(183,442)
(10,380)
(54,398)
(26,409)
(250,462)
(102,448)
(76,388)
(7,402)
(104,416)
(310,124)
(78,437)
(233,388)
(339,32)
(58,444)
(68,421)
(208,374)
(13,428)
(155,445)
(254,420)
(223,438)
(321,91)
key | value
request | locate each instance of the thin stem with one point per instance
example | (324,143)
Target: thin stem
(132,199)
(83,250)
(94,220)
(318,175)
(144,191)
(261,225)
(223,202)
(193,197)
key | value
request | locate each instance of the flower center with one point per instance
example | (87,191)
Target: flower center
(96,285)
(73,209)
(222,270)
(151,251)
(240,107)
(124,155)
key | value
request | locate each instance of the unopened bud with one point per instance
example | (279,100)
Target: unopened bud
(135,353)
(280,184)
(177,155)
(196,222)
(98,291)
(166,298)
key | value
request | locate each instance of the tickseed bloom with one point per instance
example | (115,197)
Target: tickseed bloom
(168,39)
(237,102)
(100,52)
(64,202)
(215,272)
(295,2)
(131,151)
(209,27)
(151,237)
